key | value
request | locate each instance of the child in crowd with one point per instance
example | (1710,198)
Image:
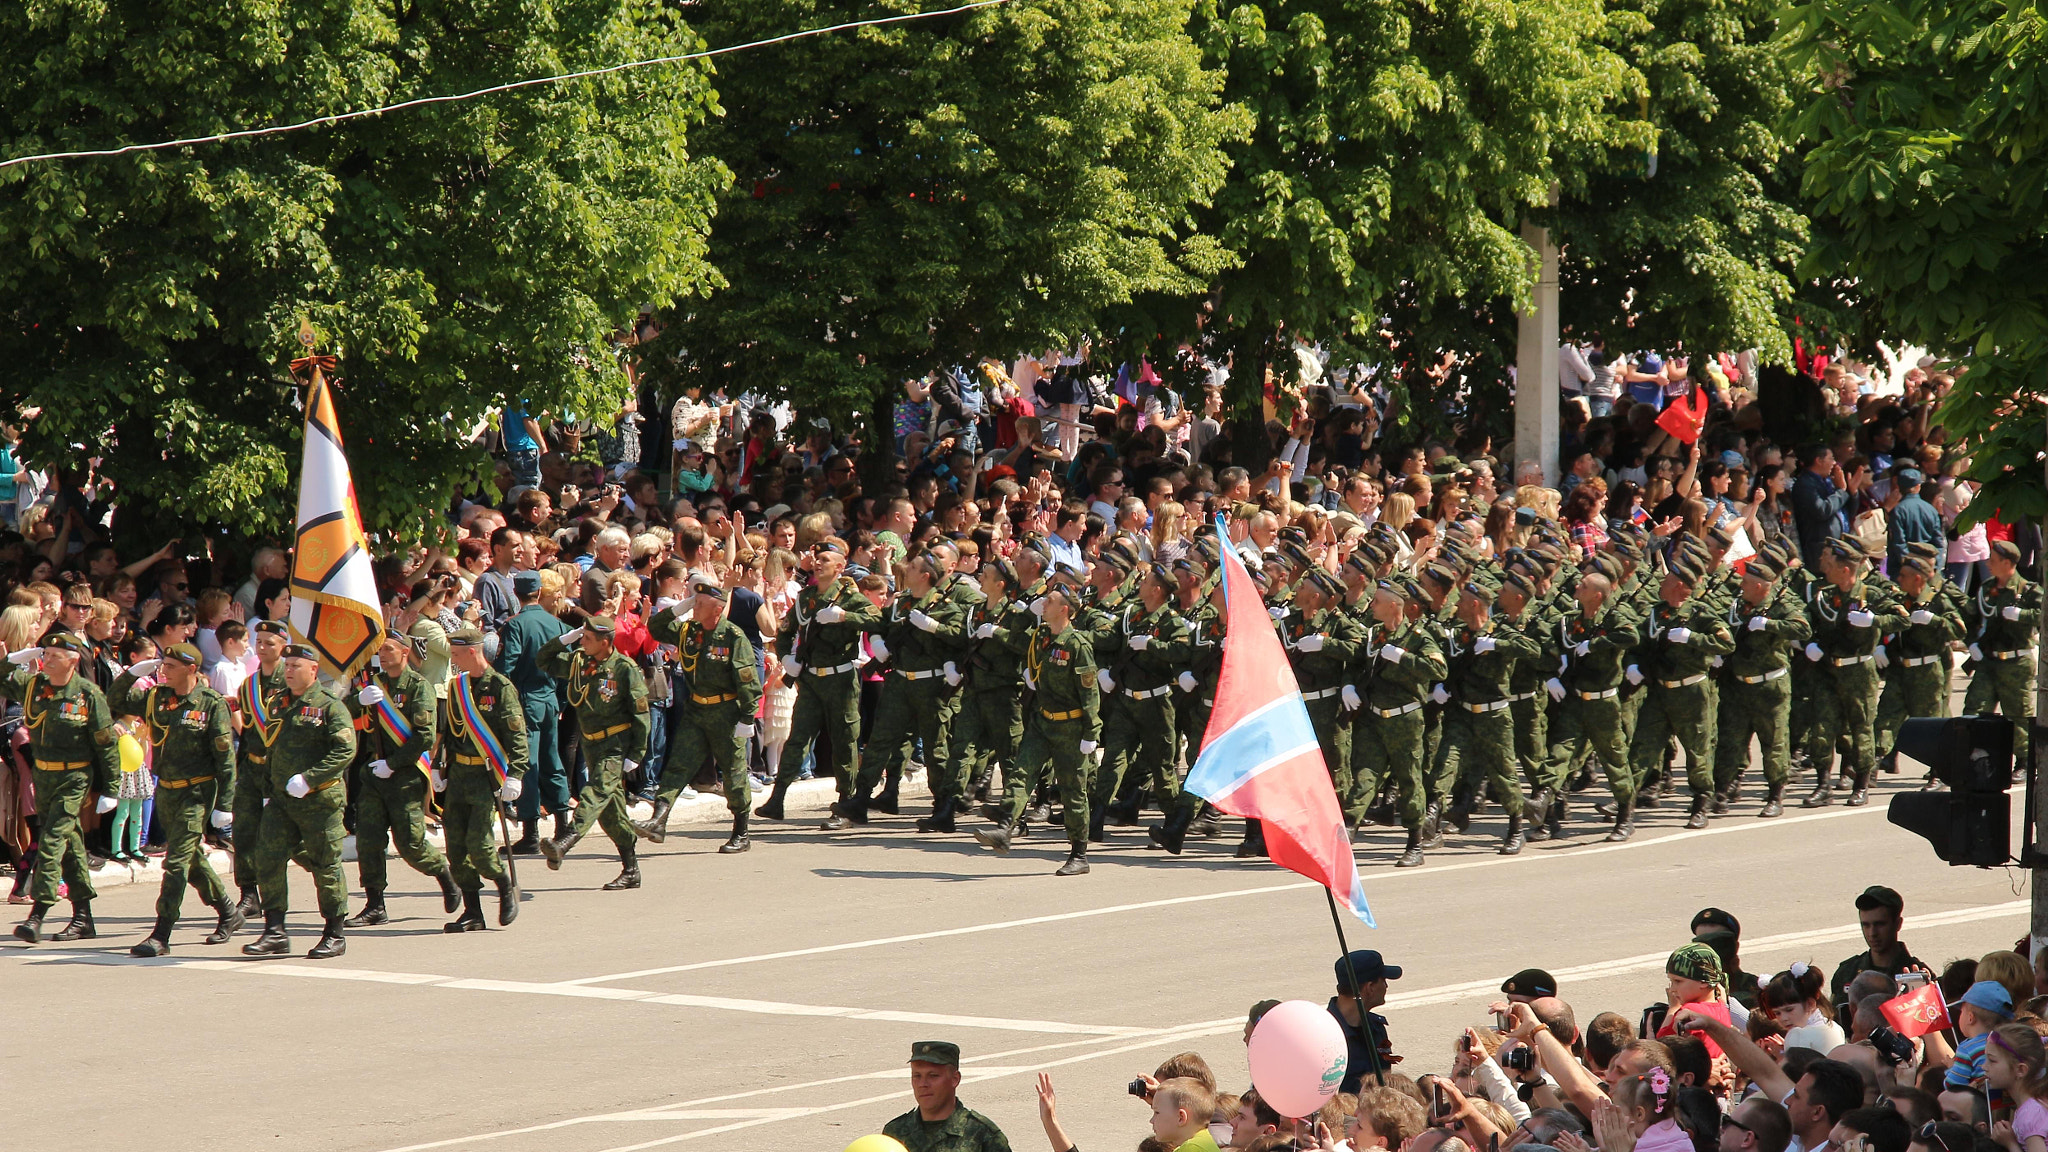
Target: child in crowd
(1646,1100)
(226,674)
(1985,1006)
(1181,1111)
(130,818)
(2016,1064)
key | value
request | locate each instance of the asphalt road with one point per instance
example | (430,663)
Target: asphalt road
(768,1001)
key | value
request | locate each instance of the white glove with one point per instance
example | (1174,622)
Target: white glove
(922,622)
(1087,747)
(743,731)
(25,657)
(266,801)
(1038,606)
(1813,652)
(380,769)
(1392,654)
(370,695)
(1583,648)
(1140,641)
(952,672)
(792,668)
(1030,681)
(1976,653)
(1679,635)
(1350,697)
(879,647)
(572,635)
(1103,680)
(439,782)
(985,632)
(1483,645)
(1555,687)
(1277,611)
(223,819)
(1921,616)
(1756,623)
(2010,612)
(297,788)
(106,804)
(626,765)
(1883,661)
(1860,618)
(1634,674)
(511,790)
(1186,680)
(1713,661)
(1312,643)
(1438,695)
(141,668)
(830,614)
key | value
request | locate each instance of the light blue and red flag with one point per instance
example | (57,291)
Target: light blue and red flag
(1260,759)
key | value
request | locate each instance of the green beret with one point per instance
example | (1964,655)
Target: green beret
(466,636)
(1721,538)
(67,642)
(1444,576)
(2006,550)
(275,627)
(604,625)
(1478,591)
(1684,572)
(301,652)
(1924,550)
(1321,578)
(184,654)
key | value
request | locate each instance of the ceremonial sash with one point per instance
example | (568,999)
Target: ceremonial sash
(397,730)
(480,734)
(251,702)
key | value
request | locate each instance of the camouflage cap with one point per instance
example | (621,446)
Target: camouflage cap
(935,1052)
(184,654)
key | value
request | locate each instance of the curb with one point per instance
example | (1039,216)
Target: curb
(113,875)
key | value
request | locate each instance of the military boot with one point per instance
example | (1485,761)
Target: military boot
(558,846)
(978,788)
(1624,822)
(472,918)
(629,871)
(1433,825)
(1175,831)
(887,799)
(451,896)
(508,901)
(1823,794)
(373,910)
(738,841)
(1649,793)
(1096,832)
(332,942)
(941,819)
(1773,802)
(1859,791)
(846,813)
(80,927)
(1411,856)
(655,827)
(1538,809)
(229,922)
(1459,814)
(771,809)
(1254,844)
(1511,844)
(997,839)
(273,942)
(1077,860)
(1553,825)
(157,943)
(1206,824)
(1697,818)
(250,905)
(31,929)
(528,843)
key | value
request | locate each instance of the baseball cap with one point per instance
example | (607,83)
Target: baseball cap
(1988,996)
(1367,965)
(1879,896)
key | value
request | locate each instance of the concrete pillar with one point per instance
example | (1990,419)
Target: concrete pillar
(1536,394)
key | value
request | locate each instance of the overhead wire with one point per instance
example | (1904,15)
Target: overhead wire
(357,114)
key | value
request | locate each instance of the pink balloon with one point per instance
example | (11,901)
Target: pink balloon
(1297,1055)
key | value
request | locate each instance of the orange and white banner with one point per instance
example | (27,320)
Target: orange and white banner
(334,593)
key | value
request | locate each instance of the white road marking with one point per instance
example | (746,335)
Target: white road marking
(1562,852)
(984,1068)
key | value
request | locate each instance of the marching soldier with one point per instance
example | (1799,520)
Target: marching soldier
(484,724)
(255,721)
(922,640)
(610,699)
(1405,663)
(1139,725)
(1768,623)
(1915,658)
(2001,619)
(1848,614)
(395,711)
(1680,637)
(1596,638)
(820,646)
(71,742)
(192,750)
(1197,684)
(309,755)
(990,723)
(1516,607)
(1324,640)
(715,664)
(1478,747)
(1064,725)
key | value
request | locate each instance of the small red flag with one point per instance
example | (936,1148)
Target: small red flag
(1684,416)
(1917,1013)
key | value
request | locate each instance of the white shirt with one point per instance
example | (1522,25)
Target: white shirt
(226,676)
(1573,373)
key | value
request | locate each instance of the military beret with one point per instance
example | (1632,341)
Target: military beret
(1004,570)
(830,544)
(526,583)
(1844,551)
(1385,532)
(1032,552)
(397,636)
(604,625)
(705,588)
(184,654)
(67,642)
(1366,559)
(301,652)
(275,627)
(2006,550)
(466,636)
(935,1052)
(1185,564)
(1625,548)
(1296,554)
(1683,572)
(1116,559)
(1605,564)
(1293,534)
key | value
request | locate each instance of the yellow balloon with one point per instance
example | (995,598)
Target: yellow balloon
(876,1143)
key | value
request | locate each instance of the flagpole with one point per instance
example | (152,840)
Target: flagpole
(1372,1047)
(505,837)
